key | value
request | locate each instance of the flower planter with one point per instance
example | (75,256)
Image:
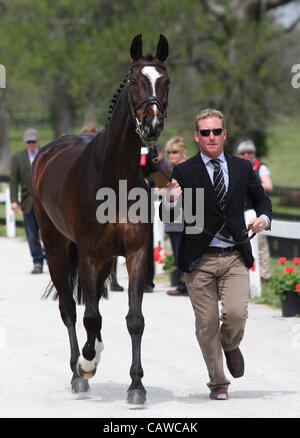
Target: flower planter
(291,305)
(173,278)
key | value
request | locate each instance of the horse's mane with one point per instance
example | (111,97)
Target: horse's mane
(115,98)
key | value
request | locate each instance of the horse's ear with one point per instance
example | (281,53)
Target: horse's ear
(136,49)
(162,50)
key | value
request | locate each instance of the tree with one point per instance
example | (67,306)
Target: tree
(65,58)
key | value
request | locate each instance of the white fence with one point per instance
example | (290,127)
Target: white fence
(9,214)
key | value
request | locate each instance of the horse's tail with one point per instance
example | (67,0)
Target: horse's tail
(73,279)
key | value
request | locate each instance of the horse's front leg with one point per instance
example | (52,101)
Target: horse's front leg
(92,284)
(136,267)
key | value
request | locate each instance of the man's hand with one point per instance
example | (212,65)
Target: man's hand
(174,190)
(258,224)
(14,206)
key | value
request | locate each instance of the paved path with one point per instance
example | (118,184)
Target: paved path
(34,356)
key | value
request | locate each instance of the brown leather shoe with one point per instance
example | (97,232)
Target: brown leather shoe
(235,362)
(37,269)
(176,292)
(219,393)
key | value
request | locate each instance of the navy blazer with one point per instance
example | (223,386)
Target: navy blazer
(243,182)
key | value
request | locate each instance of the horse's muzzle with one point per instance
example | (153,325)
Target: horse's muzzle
(152,126)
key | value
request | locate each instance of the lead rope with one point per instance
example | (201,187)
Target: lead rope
(155,160)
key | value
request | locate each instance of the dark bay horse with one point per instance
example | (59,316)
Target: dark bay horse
(66,175)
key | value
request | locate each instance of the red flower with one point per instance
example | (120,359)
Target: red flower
(289,269)
(296,260)
(281,260)
(297,287)
(156,254)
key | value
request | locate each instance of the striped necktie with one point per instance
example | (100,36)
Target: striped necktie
(219,183)
(220,189)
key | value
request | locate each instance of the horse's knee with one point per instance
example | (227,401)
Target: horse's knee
(135,324)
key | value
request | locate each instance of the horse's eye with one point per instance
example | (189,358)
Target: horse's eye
(132,81)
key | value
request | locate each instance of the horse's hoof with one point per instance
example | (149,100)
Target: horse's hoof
(85,374)
(79,385)
(136,398)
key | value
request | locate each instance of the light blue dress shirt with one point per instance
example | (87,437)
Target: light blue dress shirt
(210,169)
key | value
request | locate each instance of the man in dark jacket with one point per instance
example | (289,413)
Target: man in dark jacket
(20,175)
(215,261)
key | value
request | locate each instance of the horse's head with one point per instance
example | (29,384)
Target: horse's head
(149,84)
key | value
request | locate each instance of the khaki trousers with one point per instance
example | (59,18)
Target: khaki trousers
(264,256)
(219,276)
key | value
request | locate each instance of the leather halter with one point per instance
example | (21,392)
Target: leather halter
(151,100)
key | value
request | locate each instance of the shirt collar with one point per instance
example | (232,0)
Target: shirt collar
(33,153)
(207,159)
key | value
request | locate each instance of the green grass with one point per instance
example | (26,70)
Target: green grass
(282,208)
(283,157)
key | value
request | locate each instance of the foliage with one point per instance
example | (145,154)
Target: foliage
(168,260)
(63,56)
(288,279)
(169,263)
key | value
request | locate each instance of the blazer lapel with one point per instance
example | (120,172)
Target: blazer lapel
(205,181)
(231,177)
(25,159)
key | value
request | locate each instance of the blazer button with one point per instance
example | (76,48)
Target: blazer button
(224,217)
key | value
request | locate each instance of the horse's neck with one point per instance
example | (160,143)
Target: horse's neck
(118,150)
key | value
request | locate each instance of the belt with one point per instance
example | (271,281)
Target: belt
(217,250)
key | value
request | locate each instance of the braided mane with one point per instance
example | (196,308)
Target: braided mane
(115,98)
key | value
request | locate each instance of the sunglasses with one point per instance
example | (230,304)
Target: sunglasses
(31,141)
(247,153)
(206,132)
(172,152)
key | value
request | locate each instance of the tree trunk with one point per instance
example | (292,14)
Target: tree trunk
(4,142)
(90,114)
(62,112)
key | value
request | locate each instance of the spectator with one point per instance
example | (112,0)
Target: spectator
(20,175)
(147,167)
(177,153)
(247,150)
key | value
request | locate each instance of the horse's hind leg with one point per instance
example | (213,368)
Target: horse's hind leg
(136,266)
(59,268)
(59,257)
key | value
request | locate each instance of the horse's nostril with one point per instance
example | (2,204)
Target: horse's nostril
(147,120)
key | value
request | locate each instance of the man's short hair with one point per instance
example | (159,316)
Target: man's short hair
(208,113)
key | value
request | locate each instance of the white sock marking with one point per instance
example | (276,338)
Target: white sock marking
(90,365)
